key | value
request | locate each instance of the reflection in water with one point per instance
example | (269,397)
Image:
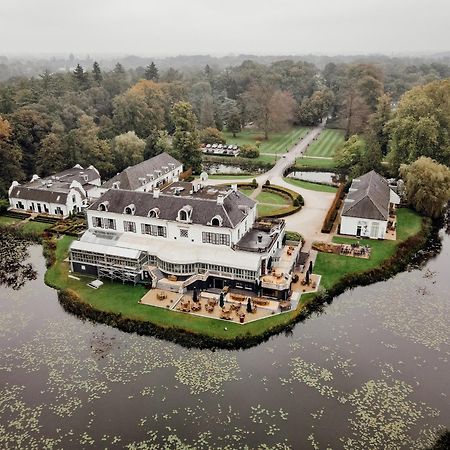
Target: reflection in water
(371,372)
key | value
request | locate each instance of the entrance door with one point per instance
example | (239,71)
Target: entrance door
(39,207)
(358,231)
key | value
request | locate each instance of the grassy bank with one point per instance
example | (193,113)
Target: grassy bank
(334,267)
(117,305)
(318,164)
(123,299)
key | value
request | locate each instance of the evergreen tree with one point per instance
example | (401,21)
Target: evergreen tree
(151,72)
(81,78)
(96,72)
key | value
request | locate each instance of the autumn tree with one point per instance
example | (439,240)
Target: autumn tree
(207,112)
(86,148)
(51,156)
(313,109)
(271,109)
(127,150)
(427,185)
(186,140)
(212,136)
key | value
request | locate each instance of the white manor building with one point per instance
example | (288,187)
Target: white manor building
(185,236)
(368,207)
(147,175)
(57,195)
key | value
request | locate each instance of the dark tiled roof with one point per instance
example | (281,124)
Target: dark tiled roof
(55,188)
(368,198)
(38,195)
(129,178)
(232,211)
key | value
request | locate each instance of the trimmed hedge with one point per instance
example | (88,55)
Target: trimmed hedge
(332,213)
(296,199)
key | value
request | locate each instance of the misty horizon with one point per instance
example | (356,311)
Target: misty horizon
(175,28)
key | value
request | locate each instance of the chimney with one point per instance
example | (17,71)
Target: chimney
(220,199)
(234,187)
(259,238)
(156,193)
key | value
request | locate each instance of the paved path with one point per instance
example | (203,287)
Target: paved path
(308,221)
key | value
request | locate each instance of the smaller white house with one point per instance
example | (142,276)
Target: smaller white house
(145,176)
(367,208)
(57,195)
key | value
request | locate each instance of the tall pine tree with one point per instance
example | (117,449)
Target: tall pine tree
(151,72)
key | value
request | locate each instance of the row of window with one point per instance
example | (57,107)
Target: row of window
(215,238)
(94,258)
(158,230)
(38,208)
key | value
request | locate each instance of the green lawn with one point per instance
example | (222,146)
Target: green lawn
(317,163)
(326,144)
(123,298)
(277,142)
(246,192)
(272,198)
(264,210)
(333,267)
(230,177)
(37,227)
(6,221)
(311,186)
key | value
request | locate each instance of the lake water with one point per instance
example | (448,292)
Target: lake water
(223,168)
(372,372)
(316,177)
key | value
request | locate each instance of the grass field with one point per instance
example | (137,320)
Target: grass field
(316,163)
(230,177)
(123,298)
(326,144)
(277,142)
(272,198)
(264,210)
(37,227)
(247,192)
(310,186)
(6,221)
(333,267)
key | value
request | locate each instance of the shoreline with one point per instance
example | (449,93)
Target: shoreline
(415,250)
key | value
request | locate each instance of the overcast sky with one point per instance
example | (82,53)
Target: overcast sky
(217,27)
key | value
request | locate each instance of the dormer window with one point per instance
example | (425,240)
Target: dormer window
(185,214)
(130,209)
(216,221)
(103,206)
(116,185)
(154,213)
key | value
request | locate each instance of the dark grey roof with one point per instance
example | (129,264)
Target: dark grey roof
(368,198)
(233,210)
(38,195)
(129,178)
(55,188)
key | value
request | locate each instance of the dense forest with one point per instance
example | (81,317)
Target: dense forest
(393,110)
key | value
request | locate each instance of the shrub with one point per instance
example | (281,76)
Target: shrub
(267,183)
(293,236)
(249,151)
(212,136)
(333,211)
(254,182)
